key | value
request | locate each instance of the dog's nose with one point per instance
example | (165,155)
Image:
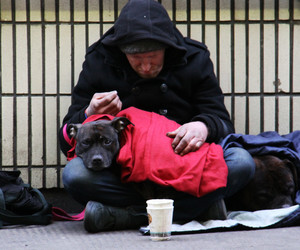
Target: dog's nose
(97,160)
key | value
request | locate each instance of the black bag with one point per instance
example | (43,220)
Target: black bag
(20,204)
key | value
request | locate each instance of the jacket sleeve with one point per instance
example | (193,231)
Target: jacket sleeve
(209,100)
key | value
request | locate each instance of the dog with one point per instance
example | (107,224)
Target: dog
(273,186)
(98,144)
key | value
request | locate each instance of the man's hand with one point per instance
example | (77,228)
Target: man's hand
(104,103)
(189,137)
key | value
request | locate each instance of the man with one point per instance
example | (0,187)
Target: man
(145,62)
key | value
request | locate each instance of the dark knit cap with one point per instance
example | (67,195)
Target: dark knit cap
(142,46)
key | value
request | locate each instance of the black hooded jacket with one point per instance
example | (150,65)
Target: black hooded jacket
(185,90)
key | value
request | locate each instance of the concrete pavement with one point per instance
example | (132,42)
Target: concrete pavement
(72,235)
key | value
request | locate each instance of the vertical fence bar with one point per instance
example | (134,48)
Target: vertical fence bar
(277,80)
(1,121)
(291,83)
(261,23)
(218,42)
(14,113)
(43,91)
(29,91)
(247,67)
(115,10)
(188,17)
(203,20)
(101,17)
(174,11)
(57,25)
(72,45)
(232,30)
(86,22)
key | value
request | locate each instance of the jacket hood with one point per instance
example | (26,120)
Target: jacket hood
(144,19)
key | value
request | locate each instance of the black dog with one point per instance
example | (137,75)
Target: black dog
(97,142)
(273,186)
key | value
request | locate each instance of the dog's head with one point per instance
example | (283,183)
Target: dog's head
(97,142)
(273,186)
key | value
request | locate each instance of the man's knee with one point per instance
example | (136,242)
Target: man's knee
(241,168)
(240,160)
(76,175)
(73,173)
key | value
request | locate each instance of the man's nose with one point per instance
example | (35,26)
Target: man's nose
(146,66)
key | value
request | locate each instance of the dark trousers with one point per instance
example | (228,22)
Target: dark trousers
(105,187)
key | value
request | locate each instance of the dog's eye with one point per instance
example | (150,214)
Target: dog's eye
(107,141)
(86,142)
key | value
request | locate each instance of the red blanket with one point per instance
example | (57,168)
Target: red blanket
(146,154)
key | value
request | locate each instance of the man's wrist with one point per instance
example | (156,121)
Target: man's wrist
(204,125)
(86,114)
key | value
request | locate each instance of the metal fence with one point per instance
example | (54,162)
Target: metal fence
(255,47)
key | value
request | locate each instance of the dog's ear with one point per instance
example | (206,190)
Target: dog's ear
(72,129)
(120,123)
(293,169)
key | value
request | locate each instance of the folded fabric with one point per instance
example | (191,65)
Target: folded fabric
(270,142)
(239,220)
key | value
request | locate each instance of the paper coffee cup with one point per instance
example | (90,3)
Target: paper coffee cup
(160,215)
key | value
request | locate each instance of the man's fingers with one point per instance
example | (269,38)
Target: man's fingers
(114,107)
(180,141)
(185,147)
(172,134)
(104,94)
(189,137)
(105,100)
(101,103)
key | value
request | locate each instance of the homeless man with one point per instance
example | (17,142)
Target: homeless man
(143,61)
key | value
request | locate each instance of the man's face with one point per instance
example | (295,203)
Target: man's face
(147,65)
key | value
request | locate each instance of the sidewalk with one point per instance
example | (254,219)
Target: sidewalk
(71,235)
